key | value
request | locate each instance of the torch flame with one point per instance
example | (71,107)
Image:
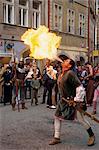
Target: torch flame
(43,44)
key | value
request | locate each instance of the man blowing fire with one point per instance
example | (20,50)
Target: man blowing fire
(71,88)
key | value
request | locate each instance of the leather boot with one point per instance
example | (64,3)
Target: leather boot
(23,106)
(91,140)
(55,141)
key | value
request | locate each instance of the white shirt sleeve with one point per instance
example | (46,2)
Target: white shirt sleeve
(80,94)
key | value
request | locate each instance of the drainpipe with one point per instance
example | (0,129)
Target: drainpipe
(49,14)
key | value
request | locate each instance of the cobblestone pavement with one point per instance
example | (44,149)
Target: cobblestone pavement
(32,129)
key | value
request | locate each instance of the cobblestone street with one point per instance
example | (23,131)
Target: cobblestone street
(32,129)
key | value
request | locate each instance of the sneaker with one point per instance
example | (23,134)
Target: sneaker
(54,141)
(53,107)
(91,140)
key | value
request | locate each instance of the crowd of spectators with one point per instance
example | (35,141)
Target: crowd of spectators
(22,81)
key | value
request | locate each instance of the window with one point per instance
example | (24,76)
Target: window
(81,24)
(23,12)
(23,2)
(57,17)
(70,21)
(8,11)
(35,5)
(36,14)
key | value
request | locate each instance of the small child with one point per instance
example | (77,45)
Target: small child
(35,84)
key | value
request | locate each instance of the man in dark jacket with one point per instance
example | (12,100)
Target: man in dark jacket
(44,80)
(71,88)
(7,76)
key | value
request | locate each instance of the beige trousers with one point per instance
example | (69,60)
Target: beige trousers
(80,118)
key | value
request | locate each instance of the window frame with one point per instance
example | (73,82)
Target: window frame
(21,18)
(6,15)
(71,21)
(59,15)
(36,20)
(82,27)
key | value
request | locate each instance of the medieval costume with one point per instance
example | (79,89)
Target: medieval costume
(68,92)
(20,91)
(71,89)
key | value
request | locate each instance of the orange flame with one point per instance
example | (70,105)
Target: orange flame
(43,44)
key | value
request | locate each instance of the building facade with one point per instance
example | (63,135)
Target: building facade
(74,20)
(96,51)
(70,19)
(16,17)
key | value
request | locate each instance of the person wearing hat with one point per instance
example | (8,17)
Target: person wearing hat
(71,89)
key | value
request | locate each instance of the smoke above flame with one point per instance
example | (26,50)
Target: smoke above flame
(43,44)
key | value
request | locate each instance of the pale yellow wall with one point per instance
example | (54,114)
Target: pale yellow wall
(72,40)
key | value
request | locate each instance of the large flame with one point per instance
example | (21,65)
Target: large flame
(43,44)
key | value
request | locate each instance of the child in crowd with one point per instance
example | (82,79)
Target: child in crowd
(35,86)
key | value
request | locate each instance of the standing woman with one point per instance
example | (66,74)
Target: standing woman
(90,84)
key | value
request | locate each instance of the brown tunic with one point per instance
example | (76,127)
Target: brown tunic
(68,84)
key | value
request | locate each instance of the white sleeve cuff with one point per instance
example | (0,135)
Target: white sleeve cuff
(80,94)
